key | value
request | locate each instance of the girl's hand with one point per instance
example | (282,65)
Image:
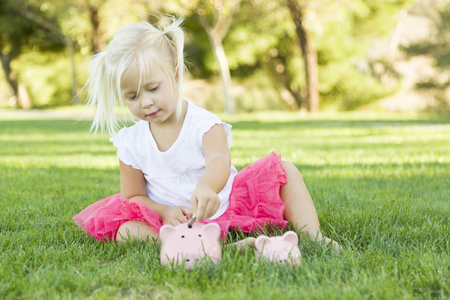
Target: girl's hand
(176,215)
(204,201)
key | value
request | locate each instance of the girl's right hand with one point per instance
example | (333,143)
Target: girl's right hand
(176,215)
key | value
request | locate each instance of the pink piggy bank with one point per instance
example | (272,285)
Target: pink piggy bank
(279,249)
(186,244)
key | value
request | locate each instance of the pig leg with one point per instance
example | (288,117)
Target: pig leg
(300,210)
(140,230)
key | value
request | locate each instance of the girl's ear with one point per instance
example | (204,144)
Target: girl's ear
(177,71)
(261,241)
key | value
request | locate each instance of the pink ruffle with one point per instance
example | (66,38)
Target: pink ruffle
(102,219)
(255,198)
(254,202)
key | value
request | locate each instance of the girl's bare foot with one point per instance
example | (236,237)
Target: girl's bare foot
(335,245)
(244,244)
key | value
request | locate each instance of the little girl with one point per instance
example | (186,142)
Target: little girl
(175,161)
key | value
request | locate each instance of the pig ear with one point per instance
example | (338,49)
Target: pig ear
(212,230)
(260,241)
(291,237)
(165,231)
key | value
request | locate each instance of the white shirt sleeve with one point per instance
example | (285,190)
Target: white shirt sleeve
(122,141)
(207,123)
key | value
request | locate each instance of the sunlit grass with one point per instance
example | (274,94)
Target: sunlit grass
(380,186)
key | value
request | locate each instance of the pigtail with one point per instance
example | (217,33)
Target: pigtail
(101,96)
(175,34)
(108,67)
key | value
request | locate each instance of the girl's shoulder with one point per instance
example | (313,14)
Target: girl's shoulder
(126,134)
(202,120)
(200,114)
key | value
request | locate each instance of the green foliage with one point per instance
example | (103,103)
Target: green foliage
(256,94)
(342,31)
(262,32)
(344,88)
(199,57)
(437,48)
(377,19)
(47,86)
(346,35)
(379,186)
(259,27)
(17,28)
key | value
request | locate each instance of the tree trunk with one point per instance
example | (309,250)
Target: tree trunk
(11,77)
(395,39)
(67,41)
(96,35)
(71,54)
(24,100)
(309,55)
(216,33)
(224,72)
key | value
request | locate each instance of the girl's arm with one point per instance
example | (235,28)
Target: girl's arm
(133,188)
(204,199)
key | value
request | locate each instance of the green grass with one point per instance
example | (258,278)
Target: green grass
(381,186)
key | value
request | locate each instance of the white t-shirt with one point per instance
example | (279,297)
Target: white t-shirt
(172,176)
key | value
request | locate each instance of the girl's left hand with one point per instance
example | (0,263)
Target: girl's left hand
(204,201)
(175,215)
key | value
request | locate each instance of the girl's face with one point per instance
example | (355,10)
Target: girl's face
(154,100)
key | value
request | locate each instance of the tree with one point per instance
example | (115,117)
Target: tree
(253,48)
(298,10)
(343,33)
(52,27)
(24,26)
(438,84)
(216,18)
(97,38)
(262,41)
(14,33)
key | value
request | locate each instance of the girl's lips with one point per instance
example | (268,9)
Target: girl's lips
(153,114)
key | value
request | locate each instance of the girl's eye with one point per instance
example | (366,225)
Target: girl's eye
(133,97)
(154,88)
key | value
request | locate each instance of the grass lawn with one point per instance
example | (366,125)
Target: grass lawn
(381,185)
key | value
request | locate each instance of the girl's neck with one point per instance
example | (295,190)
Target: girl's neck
(165,134)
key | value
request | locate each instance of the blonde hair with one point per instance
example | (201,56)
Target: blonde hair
(138,46)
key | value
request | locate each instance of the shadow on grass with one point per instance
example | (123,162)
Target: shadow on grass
(282,125)
(82,126)
(51,138)
(55,148)
(43,126)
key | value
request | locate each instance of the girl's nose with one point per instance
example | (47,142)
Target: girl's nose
(146,101)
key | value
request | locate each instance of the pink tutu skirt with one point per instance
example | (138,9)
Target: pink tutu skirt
(254,203)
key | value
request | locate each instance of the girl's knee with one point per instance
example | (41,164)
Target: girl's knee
(135,230)
(126,230)
(290,169)
(127,226)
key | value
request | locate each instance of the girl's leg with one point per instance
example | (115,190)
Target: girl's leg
(140,230)
(300,210)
